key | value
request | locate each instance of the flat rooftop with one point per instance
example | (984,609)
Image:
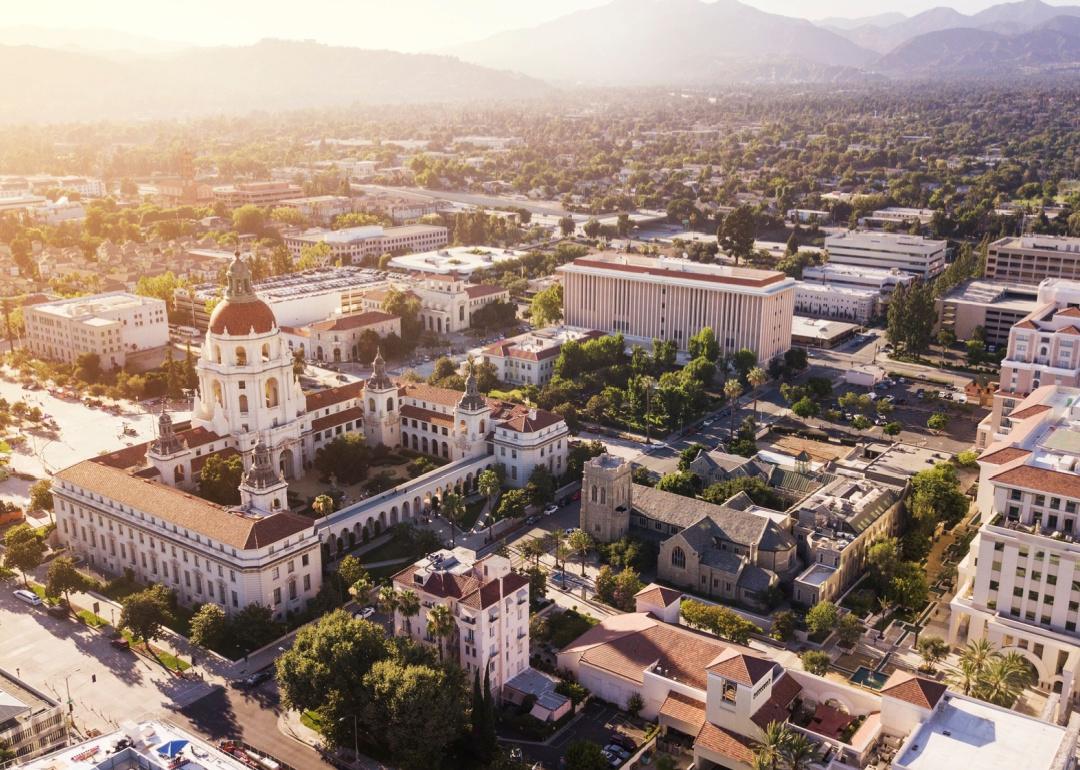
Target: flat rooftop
(678,270)
(461,259)
(1039,243)
(816,574)
(95,304)
(966,733)
(819,328)
(997,293)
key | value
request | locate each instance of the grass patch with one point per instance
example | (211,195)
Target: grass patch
(92,620)
(165,657)
(472,513)
(568,626)
(311,720)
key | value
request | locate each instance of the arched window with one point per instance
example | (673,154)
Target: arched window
(243,404)
(241,355)
(445,450)
(217,353)
(603,495)
(483,425)
(318,353)
(266,351)
(371,405)
(593,493)
(462,427)
(271,392)
(219,399)
(678,558)
(178,474)
(390,404)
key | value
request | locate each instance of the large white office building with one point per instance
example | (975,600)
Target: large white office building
(826,300)
(672,299)
(353,244)
(111,325)
(883,281)
(1019,585)
(922,257)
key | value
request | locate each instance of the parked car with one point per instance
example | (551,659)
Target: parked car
(58,611)
(549,510)
(29,597)
(366,613)
(612,759)
(120,643)
(530,520)
(618,751)
(708,422)
(625,741)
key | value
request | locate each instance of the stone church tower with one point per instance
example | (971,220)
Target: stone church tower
(382,422)
(605,497)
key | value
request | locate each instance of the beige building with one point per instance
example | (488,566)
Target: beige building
(351,245)
(529,359)
(111,325)
(919,256)
(342,338)
(672,299)
(320,209)
(1030,259)
(490,606)
(255,193)
(1044,349)
(994,306)
(447,302)
(31,722)
(1019,585)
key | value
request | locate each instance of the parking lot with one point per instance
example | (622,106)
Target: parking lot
(597,723)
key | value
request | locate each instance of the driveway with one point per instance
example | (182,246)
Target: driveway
(596,724)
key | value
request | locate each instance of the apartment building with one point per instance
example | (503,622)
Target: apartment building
(993,306)
(112,325)
(255,193)
(921,257)
(826,300)
(835,527)
(1043,348)
(529,359)
(881,280)
(672,299)
(490,606)
(1019,585)
(898,216)
(354,244)
(31,722)
(717,700)
(1030,259)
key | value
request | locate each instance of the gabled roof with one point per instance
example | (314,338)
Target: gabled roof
(775,709)
(725,742)
(658,594)
(1004,455)
(337,418)
(683,708)
(1040,480)
(353,321)
(1030,411)
(741,668)
(330,396)
(914,689)
(427,415)
(493,591)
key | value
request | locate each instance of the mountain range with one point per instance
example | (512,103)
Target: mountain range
(269,75)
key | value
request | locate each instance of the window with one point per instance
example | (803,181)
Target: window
(277,596)
(730,691)
(678,558)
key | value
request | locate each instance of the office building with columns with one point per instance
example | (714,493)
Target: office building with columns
(672,299)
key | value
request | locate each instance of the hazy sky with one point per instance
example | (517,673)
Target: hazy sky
(405,25)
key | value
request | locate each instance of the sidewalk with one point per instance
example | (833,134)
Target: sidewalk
(289,724)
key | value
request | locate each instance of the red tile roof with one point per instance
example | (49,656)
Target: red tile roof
(741,668)
(1031,411)
(914,689)
(354,321)
(1006,455)
(196,437)
(1072,330)
(323,398)
(239,318)
(484,290)
(683,708)
(1025,324)
(493,591)
(776,708)
(726,743)
(767,278)
(657,594)
(421,391)
(1070,312)
(1040,480)
(530,422)
(427,415)
(337,418)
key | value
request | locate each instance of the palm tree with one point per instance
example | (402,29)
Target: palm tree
(799,752)
(487,484)
(533,548)
(732,390)
(323,505)
(388,600)
(756,377)
(964,678)
(774,741)
(408,604)
(453,508)
(440,625)
(581,543)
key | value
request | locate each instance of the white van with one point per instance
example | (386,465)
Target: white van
(29,597)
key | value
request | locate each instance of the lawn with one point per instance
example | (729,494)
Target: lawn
(310,720)
(92,620)
(567,626)
(472,513)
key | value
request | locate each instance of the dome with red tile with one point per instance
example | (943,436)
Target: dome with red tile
(239,318)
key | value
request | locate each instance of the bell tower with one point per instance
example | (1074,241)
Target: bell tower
(606,489)
(261,488)
(382,422)
(472,419)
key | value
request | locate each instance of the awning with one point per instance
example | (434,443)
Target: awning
(171,749)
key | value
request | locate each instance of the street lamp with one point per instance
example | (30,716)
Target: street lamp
(356,739)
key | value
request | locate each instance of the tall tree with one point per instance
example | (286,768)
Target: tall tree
(736,233)
(62,578)
(547,306)
(581,543)
(440,626)
(24,549)
(453,508)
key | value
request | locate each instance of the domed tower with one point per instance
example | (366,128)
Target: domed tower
(261,488)
(246,382)
(169,454)
(606,488)
(382,423)
(472,419)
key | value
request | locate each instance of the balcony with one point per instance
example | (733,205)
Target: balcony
(1015,525)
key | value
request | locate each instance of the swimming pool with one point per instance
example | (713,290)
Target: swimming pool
(868,678)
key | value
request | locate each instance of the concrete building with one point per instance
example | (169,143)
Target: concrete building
(529,359)
(993,306)
(898,216)
(296,299)
(672,299)
(490,606)
(320,209)
(922,257)
(1043,348)
(59,211)
(1019,585)
(881,280)
(255,193)
(1030,259)
(31,722)
(836,525)
(352,245)
(826,300)
(820,332)
(447,302)
(733,551)
(111,325)
(463,260)
(343,337)
(714,700)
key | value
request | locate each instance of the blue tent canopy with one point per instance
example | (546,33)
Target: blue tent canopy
(172,748)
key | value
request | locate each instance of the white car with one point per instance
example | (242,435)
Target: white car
(549,510)
(366,613)
(29,597)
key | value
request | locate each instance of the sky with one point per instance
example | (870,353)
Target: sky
(403,25)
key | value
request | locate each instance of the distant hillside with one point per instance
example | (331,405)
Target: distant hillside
(1006,18)
(1052,46)
(88,39)
(38,84)
(663,42)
